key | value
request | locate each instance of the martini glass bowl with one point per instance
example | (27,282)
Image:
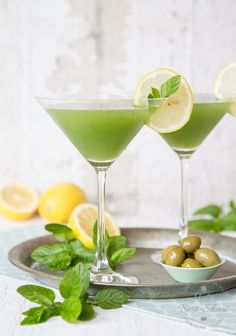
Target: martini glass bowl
(100,129)
(207,113)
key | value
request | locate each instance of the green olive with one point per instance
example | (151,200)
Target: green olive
(175,256)
(190,244)
(207,257)
(165,251)
(191,263)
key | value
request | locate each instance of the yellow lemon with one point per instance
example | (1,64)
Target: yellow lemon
(82,221)
(57,202)
(18,201)
(174,111)
(225,86)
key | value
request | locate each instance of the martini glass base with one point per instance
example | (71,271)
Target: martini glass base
(111,277)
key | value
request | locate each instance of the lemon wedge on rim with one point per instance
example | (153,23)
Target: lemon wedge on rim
(174,111)
(225,85)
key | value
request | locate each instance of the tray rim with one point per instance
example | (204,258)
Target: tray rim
(40,274)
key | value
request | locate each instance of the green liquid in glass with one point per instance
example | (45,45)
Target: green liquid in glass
(100,135)
(204,118)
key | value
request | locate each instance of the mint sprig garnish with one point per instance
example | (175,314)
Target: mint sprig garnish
(212,218)
(154,93)
(76,303)
(69,251)
(167,89)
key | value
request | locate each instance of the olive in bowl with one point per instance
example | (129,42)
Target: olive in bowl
(207,257)
(166,251)
(191,263)
(173,255)
(190,244)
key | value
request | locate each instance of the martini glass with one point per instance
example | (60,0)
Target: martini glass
(100,129)
(206,114)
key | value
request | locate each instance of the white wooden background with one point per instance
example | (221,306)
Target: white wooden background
(90,46)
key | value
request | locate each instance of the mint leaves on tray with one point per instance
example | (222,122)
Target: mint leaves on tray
(68,251)
(76,304)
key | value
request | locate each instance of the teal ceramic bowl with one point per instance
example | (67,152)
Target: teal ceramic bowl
(182,274)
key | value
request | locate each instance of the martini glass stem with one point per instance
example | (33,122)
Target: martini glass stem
(101,264)
(184,166)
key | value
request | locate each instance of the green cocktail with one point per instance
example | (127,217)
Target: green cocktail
(205,116)
(100,130)
(100,134)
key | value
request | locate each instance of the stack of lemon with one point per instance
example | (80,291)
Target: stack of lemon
(63,203)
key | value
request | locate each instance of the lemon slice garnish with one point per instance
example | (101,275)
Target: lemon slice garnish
(225,86)
(174,111)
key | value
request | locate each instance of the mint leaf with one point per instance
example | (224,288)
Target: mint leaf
(154,93)
(61,232)
(71,309)
(228,222)
(84,254)
(211,210)
(122,255)
(86,264)
(204,225)
(111,298)
(95,230)
(170,86)
(75,282)
(62,262)
(36,315)
(55,309)
(217,225)
(37,294)
(116,243)
(232,205)
(56,256)
(87,313)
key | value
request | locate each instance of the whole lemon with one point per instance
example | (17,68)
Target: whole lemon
(58,201)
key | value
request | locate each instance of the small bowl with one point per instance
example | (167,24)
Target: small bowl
(182,274)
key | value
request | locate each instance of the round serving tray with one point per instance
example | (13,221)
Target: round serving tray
(154,282)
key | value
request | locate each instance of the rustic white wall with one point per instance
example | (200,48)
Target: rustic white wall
(90,46)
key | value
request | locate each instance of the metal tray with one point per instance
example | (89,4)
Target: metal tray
(154,282)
